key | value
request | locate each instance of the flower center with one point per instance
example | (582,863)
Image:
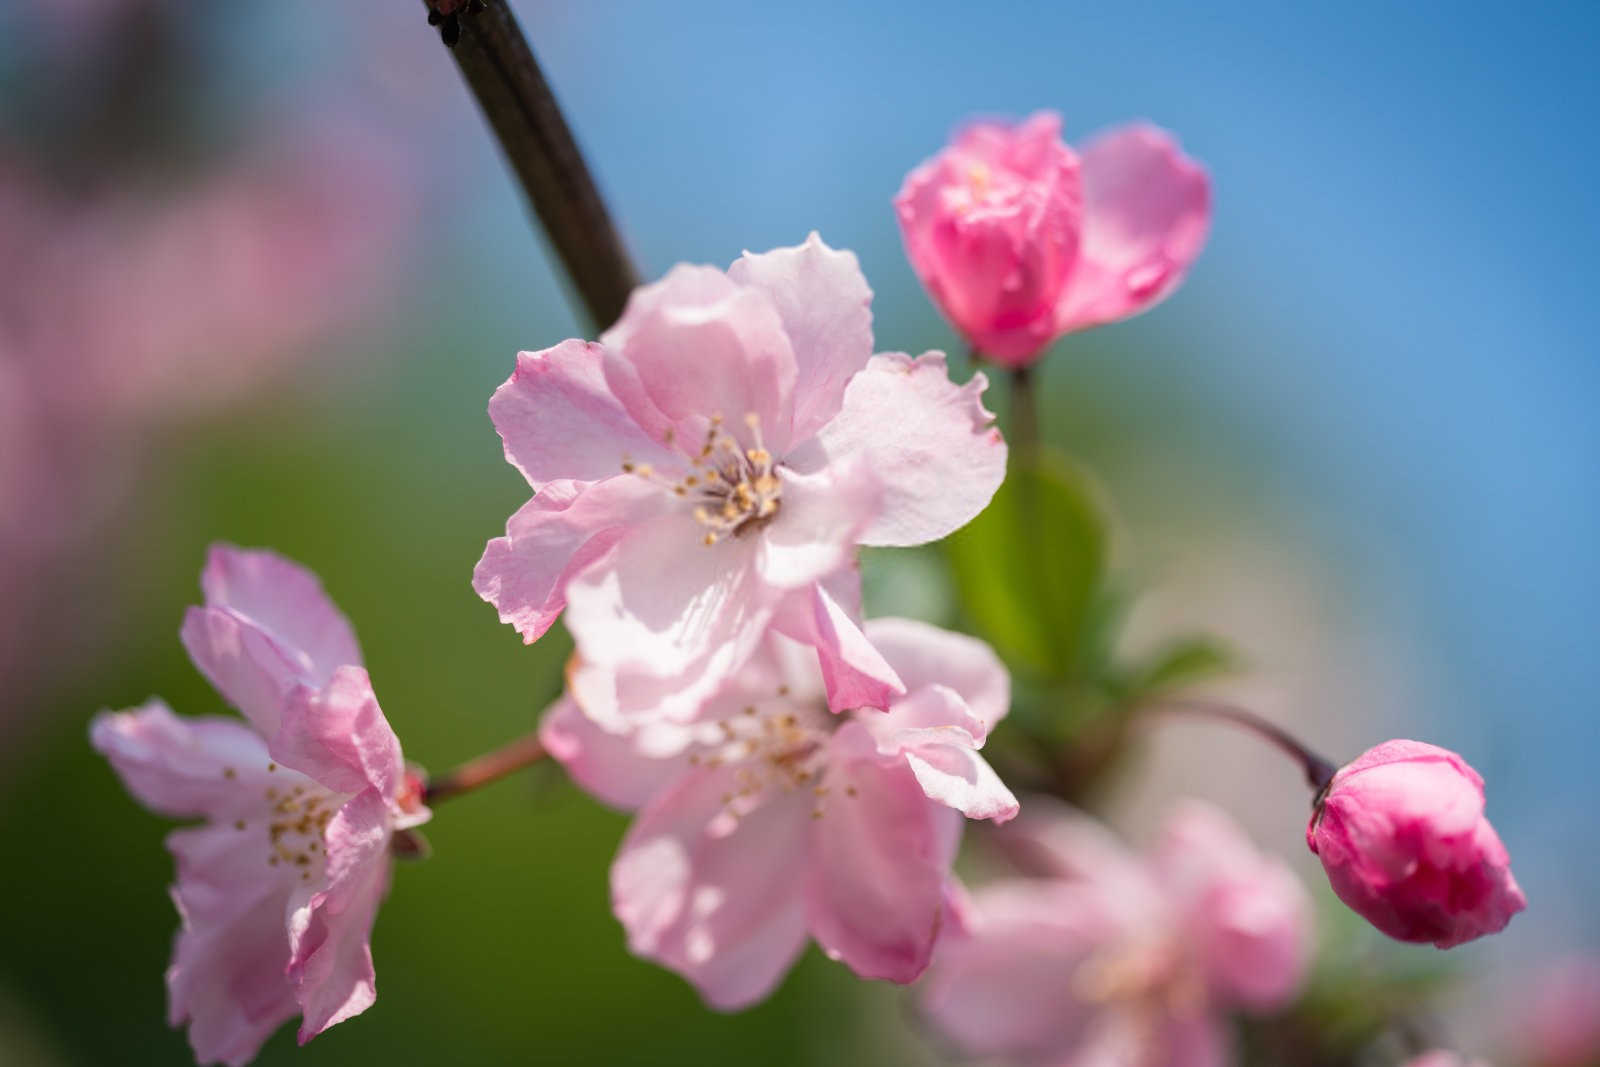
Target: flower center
(777,745)
(298,812)
(735,490)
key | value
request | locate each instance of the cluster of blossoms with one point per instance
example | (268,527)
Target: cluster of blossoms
(702,477)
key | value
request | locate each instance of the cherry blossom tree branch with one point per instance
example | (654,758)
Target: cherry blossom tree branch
(1319,771)
(500,69)
(489,767)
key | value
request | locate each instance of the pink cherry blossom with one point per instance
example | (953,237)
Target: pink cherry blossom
(709,467)
(1402,836)
(1019,240)
(773,820)
(1443,1058)
(279,886)
(1560,1021)
(1102,956)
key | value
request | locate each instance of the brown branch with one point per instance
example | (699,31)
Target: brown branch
(489,767)
(502,73)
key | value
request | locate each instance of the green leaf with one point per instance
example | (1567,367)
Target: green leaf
(1179,663)
(1031,568)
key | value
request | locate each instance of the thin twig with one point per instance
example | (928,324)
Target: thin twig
(1319,771)
(489,767)
(502,73)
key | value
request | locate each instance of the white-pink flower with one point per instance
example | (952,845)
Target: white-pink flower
(775,820)
(709,467)
(279,887)
(1106,957)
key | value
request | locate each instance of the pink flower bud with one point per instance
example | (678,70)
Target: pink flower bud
(1019,240)
(1402,836)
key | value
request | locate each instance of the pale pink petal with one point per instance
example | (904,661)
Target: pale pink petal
(825,305)
(211,767)
(923,655)
(695,345)
(552,537)
(1246,916)
(286,602)
(330,929)
(855,674)
(1007,985)
(712,895)
(1051,839)
(559,419)
(251,670)
(819,521)
(665,612)
(623,770)
(338,736)
(957,777)
(930,442)
(1147,208)
(227,979)
(879,860)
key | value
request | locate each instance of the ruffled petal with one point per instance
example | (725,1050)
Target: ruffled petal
(923,655)
(825,304)
(211,767)
(930,442)
(226,978)
(559,420)
(1147,208)
(552,537)
(338,736)
(713,895)
(664,614)
(623,770)
(880,858)
(286,602)
(330,929)
(855,674)
(694,346)
(957,777)
(819,522)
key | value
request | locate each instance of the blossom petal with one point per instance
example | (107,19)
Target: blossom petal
(880,858)
(825,304)
(694,346)
(563,529)
(855,674)
(267,626)
(226,979)
(1005,986)
(819,522)
(338,736)
(330,930)
(285,601)
(559,420)
(956,776)
(623,770)
(923,655)
(1147,208)
(930,442)
(665,612)
(712,895)
(212,767)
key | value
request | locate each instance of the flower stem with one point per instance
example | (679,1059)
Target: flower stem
(489,767)
(502,73)
(1024,416)
(1319,771)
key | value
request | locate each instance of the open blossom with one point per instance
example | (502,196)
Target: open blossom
(1019,239)
(709,467)
(278,888)
(777,820)
(1402,836)
(1102,957)
(1443,1058)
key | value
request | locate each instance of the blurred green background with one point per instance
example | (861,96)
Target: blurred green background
(1358,444)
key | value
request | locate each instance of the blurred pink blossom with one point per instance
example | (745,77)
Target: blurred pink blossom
(1019,241)
(708,469)
(1102,956)
(774,820)
(1402,835)
(278,889)
(1443,1058)
(1560,1026)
